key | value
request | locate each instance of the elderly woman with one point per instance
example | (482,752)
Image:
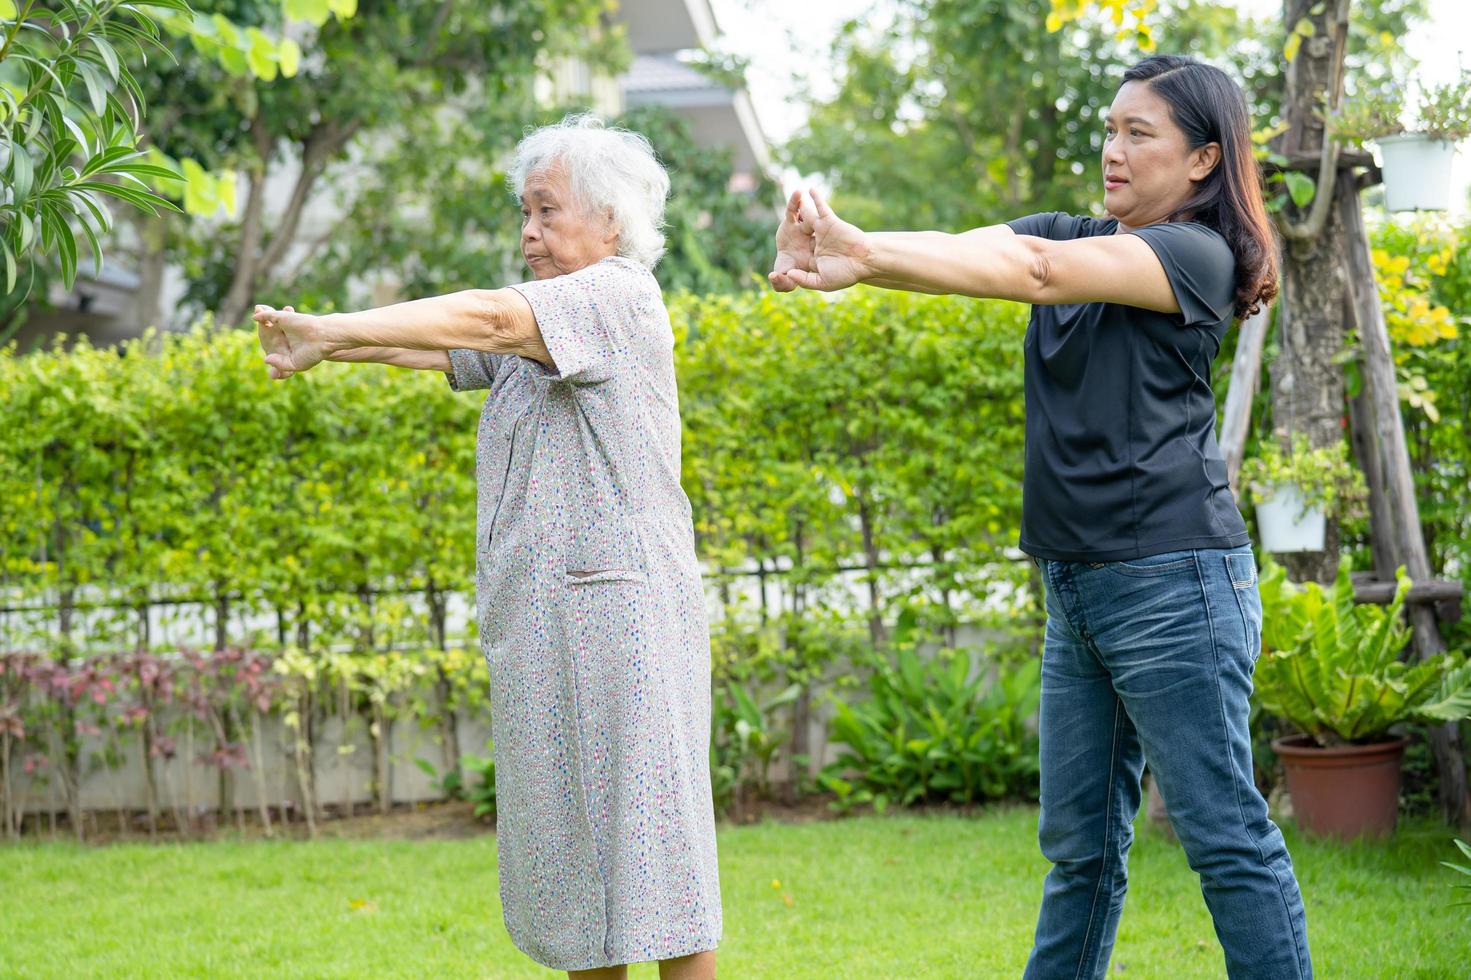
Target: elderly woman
(589,594)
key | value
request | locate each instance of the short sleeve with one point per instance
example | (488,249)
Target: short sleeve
(1059,226)
(1200,267)
(471,370)
(596,321)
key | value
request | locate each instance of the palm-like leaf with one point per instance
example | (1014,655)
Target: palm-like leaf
(1451,699)
(1335,670)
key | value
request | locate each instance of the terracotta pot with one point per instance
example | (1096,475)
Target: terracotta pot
(1345,792)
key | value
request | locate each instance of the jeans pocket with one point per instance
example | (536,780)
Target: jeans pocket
(1249,601)
(1151,566)
(1241,567)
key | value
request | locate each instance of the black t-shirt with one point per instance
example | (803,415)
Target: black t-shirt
(1121,453)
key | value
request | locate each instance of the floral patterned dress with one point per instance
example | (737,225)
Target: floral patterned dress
(592,621)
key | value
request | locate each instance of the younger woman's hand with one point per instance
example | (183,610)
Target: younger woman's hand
(794,246)
(839,250)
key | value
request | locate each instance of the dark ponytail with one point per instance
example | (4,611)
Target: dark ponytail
(1209,107)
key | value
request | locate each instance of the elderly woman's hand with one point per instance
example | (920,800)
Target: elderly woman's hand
(822,250)
(292,341)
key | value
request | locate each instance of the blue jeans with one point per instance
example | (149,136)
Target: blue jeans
(1152,658)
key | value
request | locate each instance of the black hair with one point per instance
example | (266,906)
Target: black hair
(1210,108)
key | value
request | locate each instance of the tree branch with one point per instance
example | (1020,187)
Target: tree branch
(1328,160)
(1322,198)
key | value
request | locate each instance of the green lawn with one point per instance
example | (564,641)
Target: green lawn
(902,896)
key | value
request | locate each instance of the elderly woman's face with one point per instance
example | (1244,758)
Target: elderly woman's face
(1149,169)
(557,236)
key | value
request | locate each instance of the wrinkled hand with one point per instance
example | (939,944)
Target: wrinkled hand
(838,253)
(292,341)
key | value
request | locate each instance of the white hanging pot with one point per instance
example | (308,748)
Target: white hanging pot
(1417,172)
(1286,525)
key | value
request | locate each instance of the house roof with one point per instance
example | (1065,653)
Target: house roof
(717,115)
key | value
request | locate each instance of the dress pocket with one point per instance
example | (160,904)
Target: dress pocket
(606,551)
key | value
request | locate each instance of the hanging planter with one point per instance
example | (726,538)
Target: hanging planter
(1417,172)
(1287,523)
(1296,491)
(1416,162)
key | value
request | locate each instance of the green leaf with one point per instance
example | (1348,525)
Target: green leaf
(66,251)
(143,200)
(233,60)
(289,56)
(7,10)
(261,54)
(1301,187)
(105,49)
(1294,42)
(200,197)
(9,268)
(21,172)
(96,87)
(96,246)
(315,12)
(1304,27)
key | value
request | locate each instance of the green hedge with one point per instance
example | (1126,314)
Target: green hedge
(879,430)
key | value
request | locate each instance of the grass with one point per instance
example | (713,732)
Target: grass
(901,896)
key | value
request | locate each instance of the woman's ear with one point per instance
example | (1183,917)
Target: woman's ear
(610,226)
(1206,159)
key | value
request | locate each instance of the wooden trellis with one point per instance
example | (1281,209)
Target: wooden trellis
(1378,436)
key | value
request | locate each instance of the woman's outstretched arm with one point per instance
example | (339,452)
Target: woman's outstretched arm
(992,262)
(421,360)
(413,334)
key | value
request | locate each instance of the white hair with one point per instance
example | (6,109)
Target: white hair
(610,171)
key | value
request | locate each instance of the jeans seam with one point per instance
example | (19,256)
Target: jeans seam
(1113,762)
(1236,776)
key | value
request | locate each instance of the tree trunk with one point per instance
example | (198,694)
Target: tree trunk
(449,733)
(252,263)
(242,284)
(1307,386)
(800,746)
(876,630)
(262,800)
(7,800)
(344,756)
(152,260)
(222,617)
(150,778)
(382,765)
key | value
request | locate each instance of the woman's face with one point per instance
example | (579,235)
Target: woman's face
(557,237)
(1149,169)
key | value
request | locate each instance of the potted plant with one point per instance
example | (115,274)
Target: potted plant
(1417,163)
(1331,668)
(1295,491)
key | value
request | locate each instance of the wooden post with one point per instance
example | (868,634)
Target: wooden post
(1246,372)
(1399,492)
(1366,448)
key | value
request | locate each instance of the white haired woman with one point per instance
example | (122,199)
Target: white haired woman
(589,594)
